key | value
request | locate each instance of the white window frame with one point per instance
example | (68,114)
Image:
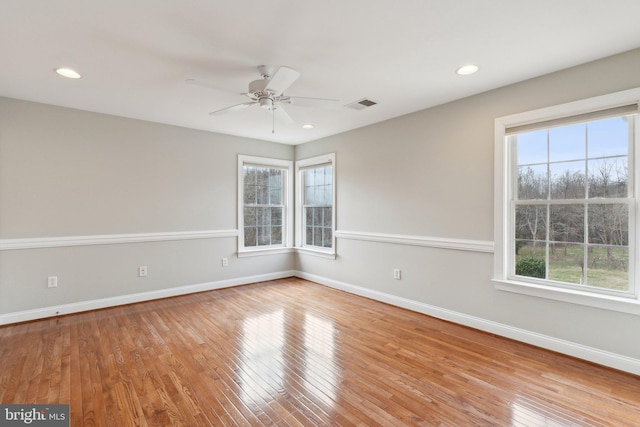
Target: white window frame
(287,238)
(504,247)
(301,166)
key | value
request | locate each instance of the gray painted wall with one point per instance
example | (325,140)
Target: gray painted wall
(424,174)
(66,172)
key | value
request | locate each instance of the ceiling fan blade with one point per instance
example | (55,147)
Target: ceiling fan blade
(283,116)
(304,101)
(233,108)
(282,79)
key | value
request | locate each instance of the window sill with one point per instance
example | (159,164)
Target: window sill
(315,252)
(266,251)
(625,305)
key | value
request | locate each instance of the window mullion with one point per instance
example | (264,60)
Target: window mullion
(585,255)
(548,210)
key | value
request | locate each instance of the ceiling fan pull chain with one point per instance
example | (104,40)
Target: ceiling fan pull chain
(273,120)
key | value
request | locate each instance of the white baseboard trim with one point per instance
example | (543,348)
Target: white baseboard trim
(580,351)
(111,239)
(76,307)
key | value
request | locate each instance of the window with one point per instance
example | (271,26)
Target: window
(264,211)
(316,202)
(566,198)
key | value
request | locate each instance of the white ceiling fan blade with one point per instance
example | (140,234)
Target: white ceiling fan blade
(233,108)
(281,80)
(283,116)
(304,101)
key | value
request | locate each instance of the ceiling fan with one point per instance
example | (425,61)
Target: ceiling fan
(268,93)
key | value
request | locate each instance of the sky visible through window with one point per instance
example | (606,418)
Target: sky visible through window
(606,138)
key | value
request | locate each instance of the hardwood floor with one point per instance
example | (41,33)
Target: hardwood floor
(291,352)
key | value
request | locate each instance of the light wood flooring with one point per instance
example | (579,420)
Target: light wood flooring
(294,353)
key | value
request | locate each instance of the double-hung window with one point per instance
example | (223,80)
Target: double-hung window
(567,200)
(265,214)
(316,204)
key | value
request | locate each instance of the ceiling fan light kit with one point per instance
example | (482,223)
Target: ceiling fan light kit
(266,103)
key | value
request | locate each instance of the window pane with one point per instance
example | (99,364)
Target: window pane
(328,175)
(532,182)
(250,174)
(317,216)
(250,195)
(531,147)
(309,235)
(276,235)
(609,137)
(250,238)
(276,216)
(263,216)
(327,214)
(327,236)
(608,267)
(568,180)
(250,218)
(264,236)
(310,196)
(275,196)
(567,142)
(531,264)
(262,195)
(530,248)
(263,177)
(275,178)
(531,222)
(310,177)
(317,236)
(567,223)
(608,177)
(566,262)
(609,224)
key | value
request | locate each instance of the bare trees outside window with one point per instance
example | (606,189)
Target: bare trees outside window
(571,202)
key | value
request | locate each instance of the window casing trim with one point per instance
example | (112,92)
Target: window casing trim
(300,167)
(287,240)
(629,303)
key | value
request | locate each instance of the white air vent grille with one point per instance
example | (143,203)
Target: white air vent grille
(363,103)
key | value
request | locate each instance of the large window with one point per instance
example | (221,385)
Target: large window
(567,201)
(315,205)
(265,203)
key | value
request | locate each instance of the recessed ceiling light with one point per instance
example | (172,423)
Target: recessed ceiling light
(308,126)
(466,70)
(68,73)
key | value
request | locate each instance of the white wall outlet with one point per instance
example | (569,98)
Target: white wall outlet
(397,274)
(225,262)
(52,281)
(142,271)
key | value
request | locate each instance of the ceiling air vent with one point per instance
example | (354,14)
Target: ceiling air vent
(363,103)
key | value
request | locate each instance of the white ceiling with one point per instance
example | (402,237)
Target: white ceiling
(135,55)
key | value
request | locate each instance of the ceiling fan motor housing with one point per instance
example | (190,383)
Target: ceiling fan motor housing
(257,88)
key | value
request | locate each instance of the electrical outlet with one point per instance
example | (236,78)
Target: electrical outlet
(142,271)
(397,273)
(52,281)
(225,262)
